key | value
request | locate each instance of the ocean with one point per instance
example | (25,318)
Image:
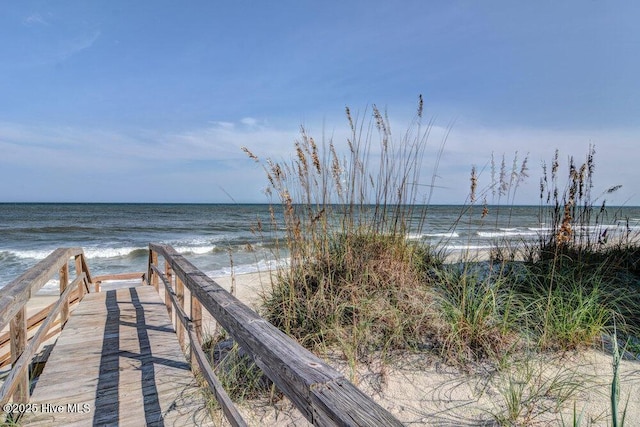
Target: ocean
(221,238)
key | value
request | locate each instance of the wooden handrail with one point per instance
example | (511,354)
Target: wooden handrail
(13,299)
(230,411)
(16,294)
(19,367)
(34,322)
(323,395)
(97,280)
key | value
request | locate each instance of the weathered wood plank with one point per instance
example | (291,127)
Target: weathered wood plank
(120,276)
(295,371)
(17,293)
(342,397)
(197,355)
(81,286)
(153,260)
(19,367)
(64,282)
(196,317)
(18,331)
(179,302)
(120,355)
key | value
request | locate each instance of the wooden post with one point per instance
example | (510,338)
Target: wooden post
(152,275)
(167,299)
(168,271)
(180,297)
(196,316)
(64,282)
(196,320)
(18,331)
(81,288)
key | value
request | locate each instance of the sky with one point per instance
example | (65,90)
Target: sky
(151,101)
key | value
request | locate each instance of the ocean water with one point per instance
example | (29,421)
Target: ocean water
(221,238)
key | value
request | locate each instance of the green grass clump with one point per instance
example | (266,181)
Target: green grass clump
(571,312)
(581,274)
(239,375)
(477,312)
(529,388)
(578,299)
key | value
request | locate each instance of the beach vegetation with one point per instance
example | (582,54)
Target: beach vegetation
(530,387)
(582,274)
(356,285)
(354,281)
(478,314)
(237,372)
(616,418)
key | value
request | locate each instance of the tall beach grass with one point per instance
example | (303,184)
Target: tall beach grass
(354,284)
(353,280)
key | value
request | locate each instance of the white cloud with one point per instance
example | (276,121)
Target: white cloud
(212,156)
(35,19)
(614,161)
(249,121)
(224,125)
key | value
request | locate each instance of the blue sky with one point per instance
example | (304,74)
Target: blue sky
(147,101)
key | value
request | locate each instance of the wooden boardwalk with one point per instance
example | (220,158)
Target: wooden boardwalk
(118,362)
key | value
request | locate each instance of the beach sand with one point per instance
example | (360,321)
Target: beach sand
(421,390)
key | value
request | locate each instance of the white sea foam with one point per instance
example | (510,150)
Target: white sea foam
(448,235)
(195,250)
(31,254)
(111,252)
(451,234)
(260,266)
(468,247)
(498,234)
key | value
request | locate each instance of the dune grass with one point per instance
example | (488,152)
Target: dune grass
(353,280)
(354,283)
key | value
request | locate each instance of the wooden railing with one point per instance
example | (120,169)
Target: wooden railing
(323,395)
(26,335)
(97,280)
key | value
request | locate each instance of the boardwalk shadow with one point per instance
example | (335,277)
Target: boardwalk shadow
(108,408)
(107,404)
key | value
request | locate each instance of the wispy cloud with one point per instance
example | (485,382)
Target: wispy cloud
(35,19)
(189,160)
(73,46)
(219,142)
(51,46)
(249,121)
